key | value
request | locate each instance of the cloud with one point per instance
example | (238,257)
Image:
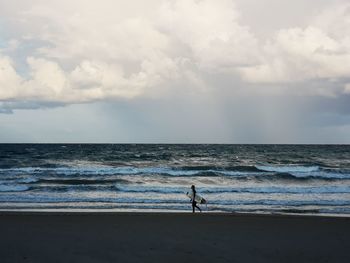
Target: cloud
(318,51)
(83,52)
(211,31)
(9,79)
(347,88)
(88,81)
(64,52)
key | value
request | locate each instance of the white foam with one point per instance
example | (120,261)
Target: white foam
(288,168)
(27,180)
(13,188)
(157,189)
(257,190)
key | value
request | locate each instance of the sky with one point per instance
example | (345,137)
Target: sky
(175,71)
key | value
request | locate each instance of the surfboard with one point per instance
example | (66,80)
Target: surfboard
(199,199)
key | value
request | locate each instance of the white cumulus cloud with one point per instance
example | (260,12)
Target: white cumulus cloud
(65,52)
(318,51)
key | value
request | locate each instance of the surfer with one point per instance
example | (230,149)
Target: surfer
(193,199)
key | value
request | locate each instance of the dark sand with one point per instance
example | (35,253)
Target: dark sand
(163,237)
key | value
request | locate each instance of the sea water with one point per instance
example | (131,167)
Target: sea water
(149,177)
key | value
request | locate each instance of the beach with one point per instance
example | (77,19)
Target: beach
(171,237)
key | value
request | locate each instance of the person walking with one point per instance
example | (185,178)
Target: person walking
(193,199)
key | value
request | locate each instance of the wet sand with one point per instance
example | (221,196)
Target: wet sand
(169,237)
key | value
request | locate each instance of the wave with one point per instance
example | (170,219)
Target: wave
(257,190)
(237,168)
(122,186)
(74,189)
(174,208)
(304,176)
(28,180)
(80,181)
(152,189)
(72,170)
(288,168)
(99,170)
(267,172)
(267,203)
(91,171)
(19,180)
(13,188)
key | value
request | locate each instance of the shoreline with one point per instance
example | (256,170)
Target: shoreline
(172,237)
(111,212)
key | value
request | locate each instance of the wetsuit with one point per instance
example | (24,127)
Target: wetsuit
(194,203)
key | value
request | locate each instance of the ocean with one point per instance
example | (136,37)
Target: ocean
(307,179)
